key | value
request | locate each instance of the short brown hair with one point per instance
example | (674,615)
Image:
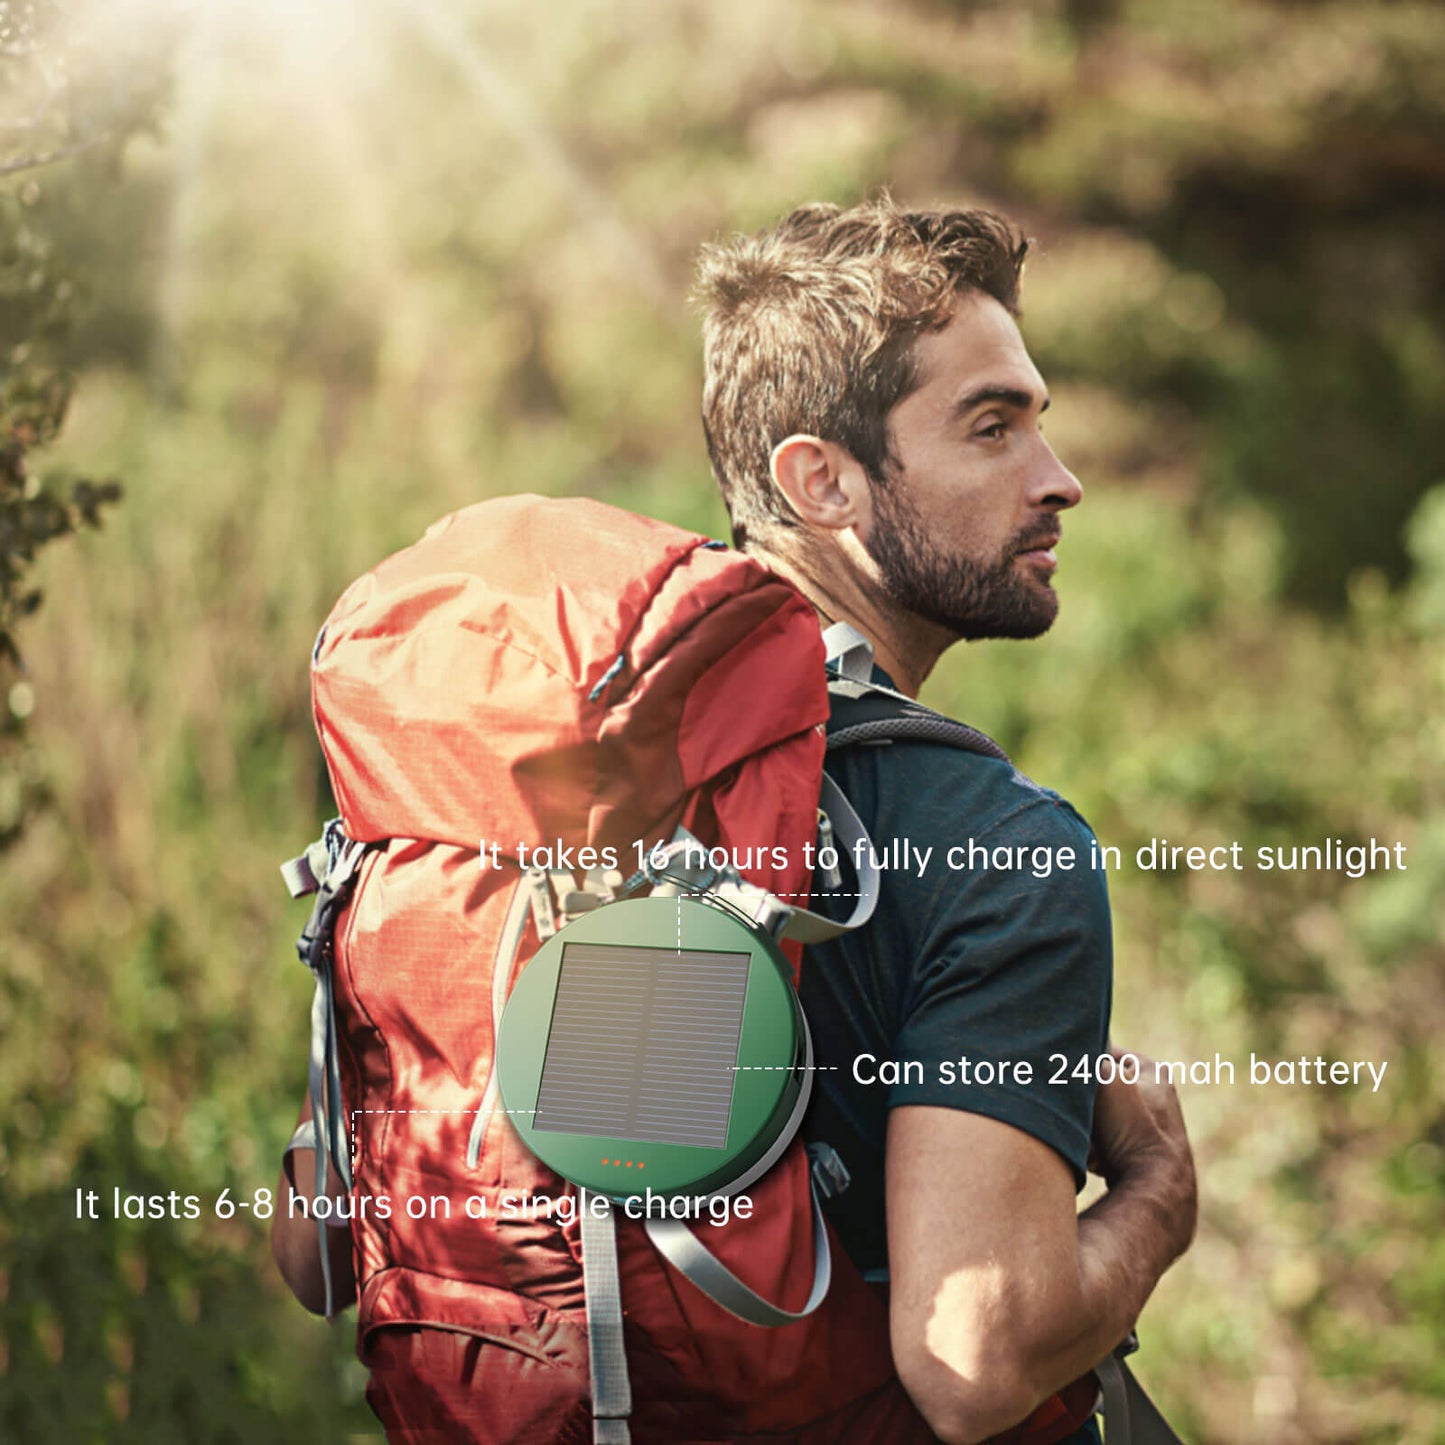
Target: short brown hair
(810,325)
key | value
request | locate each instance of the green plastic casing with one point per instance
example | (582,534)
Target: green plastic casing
(772,1061)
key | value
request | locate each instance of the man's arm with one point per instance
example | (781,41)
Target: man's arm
(293,1240)
(1001,1293)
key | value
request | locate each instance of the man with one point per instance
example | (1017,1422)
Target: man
(873,419)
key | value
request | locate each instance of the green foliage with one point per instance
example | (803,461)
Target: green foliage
(58,101)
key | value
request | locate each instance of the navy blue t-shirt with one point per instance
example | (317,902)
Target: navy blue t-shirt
(981,963)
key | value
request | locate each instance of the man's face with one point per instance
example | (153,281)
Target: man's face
(963,527)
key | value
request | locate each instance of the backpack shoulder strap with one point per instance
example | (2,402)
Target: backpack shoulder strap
(1130,1416)
(329,870)
(866,712)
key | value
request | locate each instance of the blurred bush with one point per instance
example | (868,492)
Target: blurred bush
(63,100)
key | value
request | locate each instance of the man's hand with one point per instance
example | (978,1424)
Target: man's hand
(1135,1124)
(294,1238)
(1140,1140)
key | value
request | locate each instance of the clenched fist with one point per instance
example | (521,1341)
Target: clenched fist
(1140,1139)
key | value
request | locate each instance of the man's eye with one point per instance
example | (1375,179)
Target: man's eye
(993,432)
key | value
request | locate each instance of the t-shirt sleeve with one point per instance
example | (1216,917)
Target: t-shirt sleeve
(1013,968)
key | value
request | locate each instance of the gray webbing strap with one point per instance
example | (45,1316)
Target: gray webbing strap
(303,874)
(682,1249)
(509,941)
(1110,1374)
(607,1359)
(805,926)
(328,1111)
(1130,1416)
(304,1137)
(696,1263)
(848,651)
(324,1075)
(322,1023)
(769,912)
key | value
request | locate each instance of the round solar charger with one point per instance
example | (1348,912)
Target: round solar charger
(656,1044)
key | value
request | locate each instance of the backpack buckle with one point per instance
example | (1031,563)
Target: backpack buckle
(829,1173)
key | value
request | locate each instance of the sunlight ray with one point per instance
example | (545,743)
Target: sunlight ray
(509,106)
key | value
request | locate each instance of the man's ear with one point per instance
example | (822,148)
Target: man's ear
(824,483)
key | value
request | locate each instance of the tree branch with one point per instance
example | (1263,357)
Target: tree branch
(35,118)
(49,158)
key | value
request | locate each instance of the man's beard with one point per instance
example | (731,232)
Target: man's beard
(966,598)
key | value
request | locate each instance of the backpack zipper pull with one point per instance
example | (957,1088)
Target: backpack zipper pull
(832,876)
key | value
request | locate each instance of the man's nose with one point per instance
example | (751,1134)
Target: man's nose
(1053,485)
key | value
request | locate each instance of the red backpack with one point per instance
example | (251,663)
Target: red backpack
(563,675)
